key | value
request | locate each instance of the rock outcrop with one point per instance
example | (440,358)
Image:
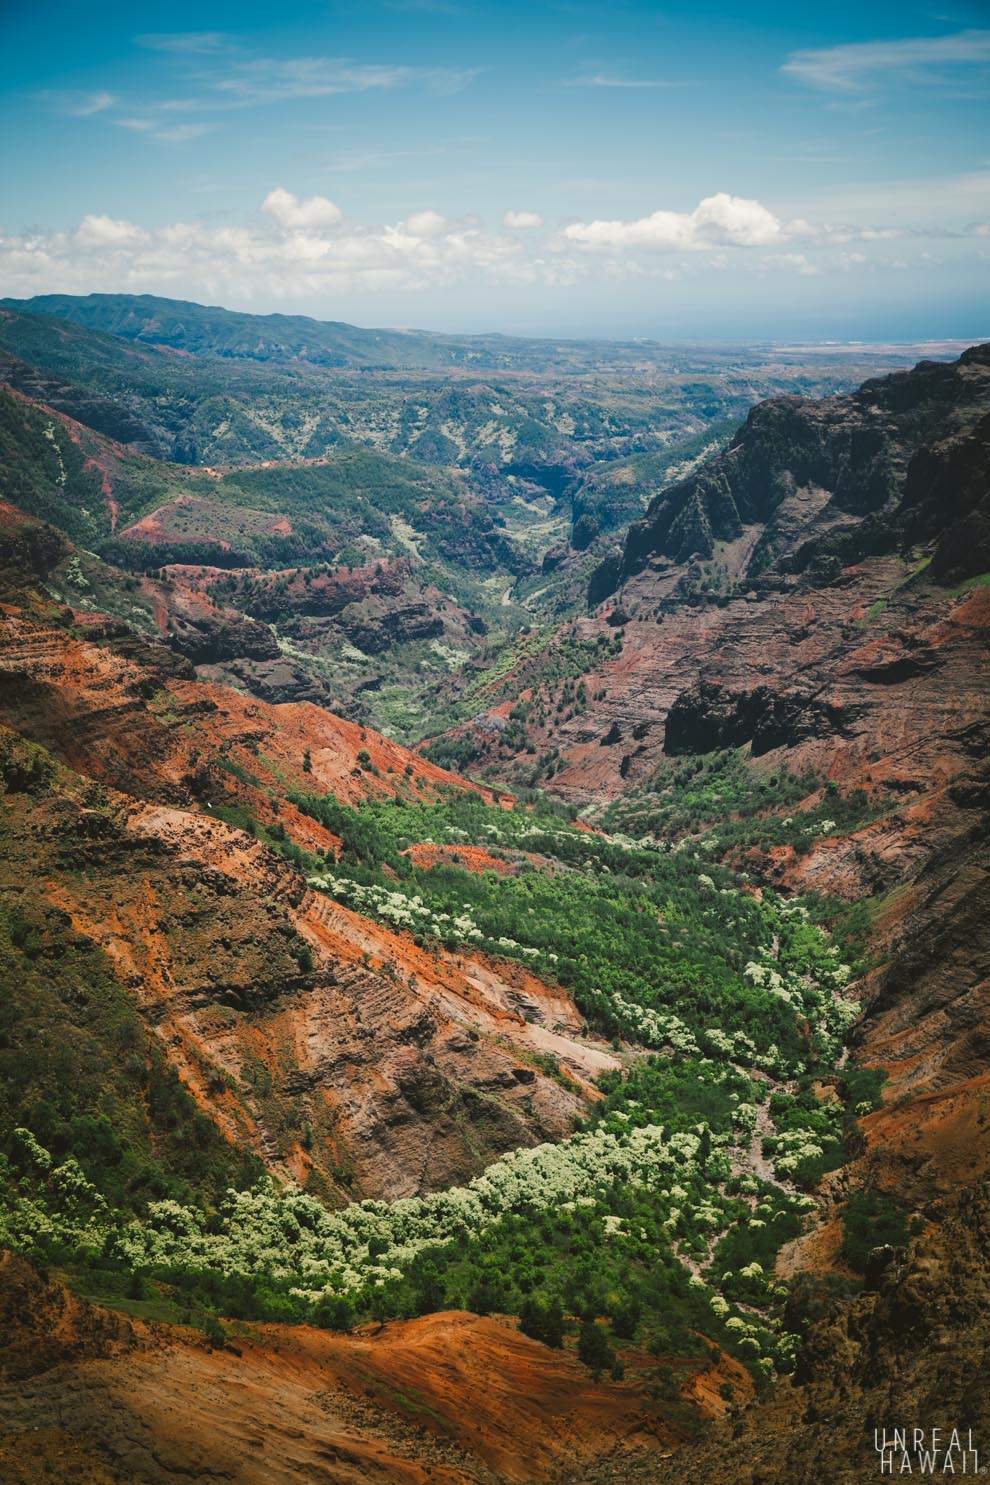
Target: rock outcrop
(808,485)
(336,1050)
(910,1353)
(817,596)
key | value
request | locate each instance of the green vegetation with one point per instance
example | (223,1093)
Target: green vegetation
(648,1226)
(651,947)
(644,1226)
(80,1074)
(981,580)
(52,475)
(553,678)
(874,611)
(730,807)
(872,1219)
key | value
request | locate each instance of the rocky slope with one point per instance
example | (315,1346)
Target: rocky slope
(910,1352)
(364,640)
(450,1398)
(794,590)
(330,1046)
(815,597)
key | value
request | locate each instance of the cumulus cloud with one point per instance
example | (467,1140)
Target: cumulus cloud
(425,224)
(289,211)
(519,220)
(723,221)
(304,249)
(717,221)
(846,68)
(103,231)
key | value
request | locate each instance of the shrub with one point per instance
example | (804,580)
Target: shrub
(542,1319)
(214,1333)
(593,1347)
(871,1219)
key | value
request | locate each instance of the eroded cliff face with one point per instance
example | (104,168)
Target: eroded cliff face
(910,1352)
(808,484)
(333,1048)
(816,596)
(803,591)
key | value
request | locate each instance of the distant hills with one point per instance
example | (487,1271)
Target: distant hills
(203,330)
(209,330)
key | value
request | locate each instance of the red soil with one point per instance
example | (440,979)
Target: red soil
(449,1399)
(471,858)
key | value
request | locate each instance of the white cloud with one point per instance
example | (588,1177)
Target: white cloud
(270,80)
(181,133)
(306,248)
(723,221)
(519,220)
(846,68)
(79,105)
(196,43)
(610,80)
(103,231)
(289,211)
(169,133)
(717,221)
(303,250)
(425,224)
(90,103)
(734,221)
(792,263)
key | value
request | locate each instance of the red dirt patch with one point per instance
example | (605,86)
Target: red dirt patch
(471,858)
(449,1399)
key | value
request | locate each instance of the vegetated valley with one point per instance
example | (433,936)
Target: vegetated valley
(494,902)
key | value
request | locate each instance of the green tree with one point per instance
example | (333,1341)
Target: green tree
(593,1347)
(542,1318)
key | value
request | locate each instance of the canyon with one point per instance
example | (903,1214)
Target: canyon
(776,673)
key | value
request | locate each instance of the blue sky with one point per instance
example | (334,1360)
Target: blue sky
(706,171)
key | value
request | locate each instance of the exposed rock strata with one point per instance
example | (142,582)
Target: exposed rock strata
(335,1049)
